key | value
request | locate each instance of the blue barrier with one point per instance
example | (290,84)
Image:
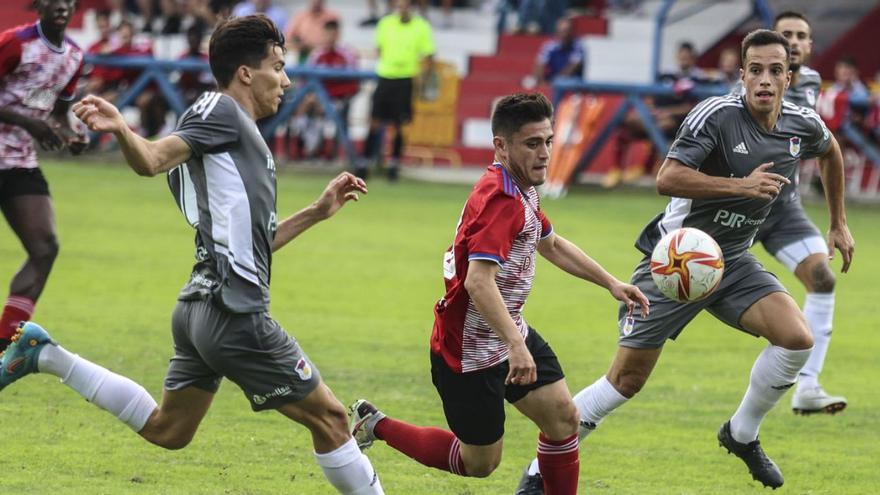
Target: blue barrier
(157,71)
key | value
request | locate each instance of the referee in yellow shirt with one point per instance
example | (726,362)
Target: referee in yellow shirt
(403,39)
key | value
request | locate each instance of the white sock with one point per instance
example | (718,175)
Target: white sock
(774,372)
(349,471)
(593,403)
(114,393)
(819,311)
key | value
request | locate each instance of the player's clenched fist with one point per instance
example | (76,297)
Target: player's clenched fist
(98,114)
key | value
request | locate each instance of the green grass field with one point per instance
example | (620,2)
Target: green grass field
(358,292)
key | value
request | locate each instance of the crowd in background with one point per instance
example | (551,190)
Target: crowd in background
(313,37)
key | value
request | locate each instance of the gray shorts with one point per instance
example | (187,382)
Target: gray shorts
(251,349)
(744,282)
(789,235)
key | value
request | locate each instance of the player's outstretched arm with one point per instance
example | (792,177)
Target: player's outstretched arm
(147,158)
(573,260)
(483,291)
(677,179)
(342,189)
(839,237)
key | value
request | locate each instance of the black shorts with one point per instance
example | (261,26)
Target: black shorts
(392,100)
(474,402)
(21,182)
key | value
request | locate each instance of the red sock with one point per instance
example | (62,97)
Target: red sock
(433,447)
(17,310)
(560,465)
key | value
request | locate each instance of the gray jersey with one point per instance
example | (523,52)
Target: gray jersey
(226,191)
(719,137)
(803,94)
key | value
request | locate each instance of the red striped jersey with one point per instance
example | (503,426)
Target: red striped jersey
(502,223)
(34,74)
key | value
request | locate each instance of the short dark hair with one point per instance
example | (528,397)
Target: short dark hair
(241,41)
(848,60)
(516,110)
(764,37)
(687,45)
(791,14)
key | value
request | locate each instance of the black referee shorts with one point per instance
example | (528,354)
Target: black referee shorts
(392,101)
(474,402)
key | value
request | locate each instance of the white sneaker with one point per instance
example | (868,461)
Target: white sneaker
(816,400)
(362,418)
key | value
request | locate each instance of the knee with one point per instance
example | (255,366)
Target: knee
(823,279)
(172,439)
(799,338)
(482,468)
(628,382)
(45,250)
(175,443)
(566,421)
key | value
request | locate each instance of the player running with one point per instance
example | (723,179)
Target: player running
(482,349)
(726,168)
(790,236)
(39,69)
(221,326)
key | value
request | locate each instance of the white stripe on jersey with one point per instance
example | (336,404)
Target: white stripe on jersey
(676,211)
(230,214)
(188,202)
(702,111)
(206,103)
(697,124)
(789,108)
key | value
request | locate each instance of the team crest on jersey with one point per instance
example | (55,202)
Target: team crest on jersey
(811,96)
(794,146)
(303,369)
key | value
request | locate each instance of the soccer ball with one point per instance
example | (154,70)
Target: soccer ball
(687,265)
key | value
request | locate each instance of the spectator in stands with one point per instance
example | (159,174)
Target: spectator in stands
(668,112)
(671,111)
(144,9)
(848,99)
(105,31)
(100,47)
(217,11)
(106,81)
(728,67)
(193,84)
(274,12)
(405,42)
(540,16)
(563,56)
(307,29)
(110,83)
(310,125)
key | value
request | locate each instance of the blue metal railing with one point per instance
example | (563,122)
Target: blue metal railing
(158,72)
